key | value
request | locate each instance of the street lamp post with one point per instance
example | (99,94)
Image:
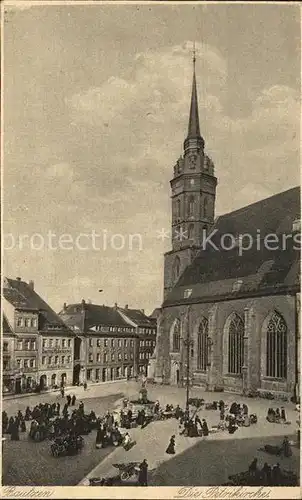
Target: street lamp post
(188,343)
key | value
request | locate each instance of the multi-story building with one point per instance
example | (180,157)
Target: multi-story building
(9,371)
(146,335)
(105,343)
(42,344)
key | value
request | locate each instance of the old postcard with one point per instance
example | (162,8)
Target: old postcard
(150,318)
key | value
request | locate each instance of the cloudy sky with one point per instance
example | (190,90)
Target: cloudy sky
(96,110)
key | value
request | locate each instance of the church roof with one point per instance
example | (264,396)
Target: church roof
(193,128)
(23,297)
(220,274)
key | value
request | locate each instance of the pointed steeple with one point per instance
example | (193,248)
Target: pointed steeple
(193,128)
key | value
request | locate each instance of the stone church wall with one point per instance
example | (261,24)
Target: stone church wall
(254,311)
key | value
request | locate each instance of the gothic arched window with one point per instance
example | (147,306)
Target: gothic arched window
(190,231)
(176,336)
(205,206)
(276,347)
(176,269)
(191,203)
(202,345)
(178,209)
(235,344)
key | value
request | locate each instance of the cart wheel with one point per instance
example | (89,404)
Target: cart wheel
(124,476)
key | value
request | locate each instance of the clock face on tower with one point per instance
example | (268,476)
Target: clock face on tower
(192,161)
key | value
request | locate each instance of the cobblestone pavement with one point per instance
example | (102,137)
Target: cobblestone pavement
(198,461)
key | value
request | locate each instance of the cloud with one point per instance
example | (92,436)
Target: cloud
(125,137)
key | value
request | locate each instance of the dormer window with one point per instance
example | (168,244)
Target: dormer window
(188,293)
(296,226)
(237,285)
(34,322)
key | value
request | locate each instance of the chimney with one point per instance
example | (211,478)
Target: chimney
(83,304)
(126,306)
(115,305)
(64,306)
(143,311)
(31,284)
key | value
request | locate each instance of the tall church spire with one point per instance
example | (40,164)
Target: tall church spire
(193,128)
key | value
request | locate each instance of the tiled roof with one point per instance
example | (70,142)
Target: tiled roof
(227,274)
(22,296)
(95,315)
(5,325)
(138,317)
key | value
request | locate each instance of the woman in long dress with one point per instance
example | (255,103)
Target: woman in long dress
(171,447)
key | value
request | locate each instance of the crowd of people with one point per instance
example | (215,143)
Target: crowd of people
(50,421)
(276,416)
(267,475)
(65,423)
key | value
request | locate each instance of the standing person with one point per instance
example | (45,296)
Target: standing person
(10,425)
(156,408)
(205,429)
(85,386)
(68,397)
(222,414)
(253,467)
(283,414)
(73,400)
(286,448)
(4,421)
(23,426)
(62,391)
(221,405)
(65,410)
(100,438)
(245,409)
(171,447)
(143,473)
(15,431)
(143,418)
(266,473)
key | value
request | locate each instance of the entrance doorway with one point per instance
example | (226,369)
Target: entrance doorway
(177,376)
(43,382)
(18,386)
(53,380)
(112,373)
(76,374)
(104,373)
(63,379)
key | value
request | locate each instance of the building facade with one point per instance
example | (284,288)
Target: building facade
(230,318)
(106,345)
(9,371)
(146,329)
(40,344)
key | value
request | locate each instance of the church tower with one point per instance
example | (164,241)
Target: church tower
(193,198)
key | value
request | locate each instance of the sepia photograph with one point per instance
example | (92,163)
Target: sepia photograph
(151,239)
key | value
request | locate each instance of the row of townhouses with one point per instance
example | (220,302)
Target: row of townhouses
(84,342)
